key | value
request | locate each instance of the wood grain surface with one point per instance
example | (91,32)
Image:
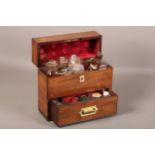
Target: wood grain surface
(70,84)
(42,95)
(50,88)
(57,38)
(68,114)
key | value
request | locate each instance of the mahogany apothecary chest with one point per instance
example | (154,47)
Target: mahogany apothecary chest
(68,94)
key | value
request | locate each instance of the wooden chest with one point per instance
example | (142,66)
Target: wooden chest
(84,45)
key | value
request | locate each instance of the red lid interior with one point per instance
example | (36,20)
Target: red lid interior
(83,49)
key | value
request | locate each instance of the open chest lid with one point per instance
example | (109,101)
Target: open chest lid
(84,45)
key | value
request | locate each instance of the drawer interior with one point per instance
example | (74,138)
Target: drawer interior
(82,98)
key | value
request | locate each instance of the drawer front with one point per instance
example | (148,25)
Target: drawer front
(79,83)
(96,108)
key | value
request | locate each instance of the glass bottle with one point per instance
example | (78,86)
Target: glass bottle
(51,67)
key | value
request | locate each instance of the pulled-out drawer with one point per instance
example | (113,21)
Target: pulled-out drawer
(82,111)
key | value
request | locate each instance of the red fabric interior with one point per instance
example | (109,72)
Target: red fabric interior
(83,49)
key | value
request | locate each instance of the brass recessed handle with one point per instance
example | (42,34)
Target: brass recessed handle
(88,111)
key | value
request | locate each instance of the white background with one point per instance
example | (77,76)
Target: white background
(81,12)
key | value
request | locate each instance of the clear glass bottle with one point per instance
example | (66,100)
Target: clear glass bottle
(75,64)
(51,67)
(63,62)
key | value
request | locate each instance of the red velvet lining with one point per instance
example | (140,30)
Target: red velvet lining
(83,49)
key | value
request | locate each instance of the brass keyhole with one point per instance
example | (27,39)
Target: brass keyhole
(82,78)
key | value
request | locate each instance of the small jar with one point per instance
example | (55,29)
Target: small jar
(51,67)
(63,62)
(77,68)
(83,98)
(96,95)
(86,62)
(103,65)
(70,100)
(96,62)
(106,93)
(63,68)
